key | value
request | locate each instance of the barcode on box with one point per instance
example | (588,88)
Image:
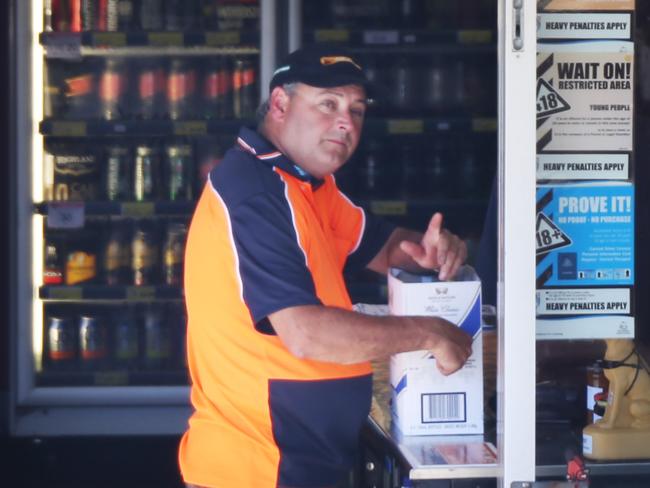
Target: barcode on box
(443,407)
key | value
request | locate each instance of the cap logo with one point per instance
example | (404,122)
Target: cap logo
(327,60)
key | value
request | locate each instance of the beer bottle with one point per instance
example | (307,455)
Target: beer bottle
(244,99)
(157,340)
(53,271)
(173,254)
(126,340)
(144,256)
(180,163)
(61,344)
(117,256)
(93,342)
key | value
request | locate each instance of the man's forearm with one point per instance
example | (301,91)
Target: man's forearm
(341,336)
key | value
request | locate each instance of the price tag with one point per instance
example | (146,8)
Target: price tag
(484,125)
(226,38)
(388,207)
(474,36)
(65,292)
(381,37)
(332,35)
(63,46)
(68,129)
(138,209)
(141,293)
(66,215)
(165,38)
(405,126)
(111,378)
(190,128)
(109,39)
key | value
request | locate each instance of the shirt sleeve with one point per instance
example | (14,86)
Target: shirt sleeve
(367,232)
(272,264)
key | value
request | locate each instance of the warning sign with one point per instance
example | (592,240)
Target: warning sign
(549,101)
(548,236)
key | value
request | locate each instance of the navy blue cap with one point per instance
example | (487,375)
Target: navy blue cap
(322,66)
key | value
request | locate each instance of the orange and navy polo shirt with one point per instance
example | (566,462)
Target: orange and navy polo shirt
(266,236)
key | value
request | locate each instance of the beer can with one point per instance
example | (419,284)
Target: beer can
(107,15)
(80,266)
(144,257)
(75,172)
(217,89)
(48,16)
(174,253)
(151,90)
(243,91)
(53,270)
(126,15)
(61,344)
(88,15)
(74,13)
(157,340)
(146,175)
(113,89)
(119,172)
(117,256)
(93,342)
(180,163)
(126,340)
(181,89)
(151,15)
(80,95)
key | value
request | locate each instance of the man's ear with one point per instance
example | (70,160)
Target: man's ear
(278,103)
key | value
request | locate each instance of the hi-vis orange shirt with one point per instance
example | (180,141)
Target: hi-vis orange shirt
(266,236)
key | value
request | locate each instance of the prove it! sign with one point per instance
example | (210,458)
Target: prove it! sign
(585,260)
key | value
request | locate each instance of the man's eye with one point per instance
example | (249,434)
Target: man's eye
(329,104)
(357,112)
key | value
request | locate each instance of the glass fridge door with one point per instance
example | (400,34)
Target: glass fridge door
(128,106)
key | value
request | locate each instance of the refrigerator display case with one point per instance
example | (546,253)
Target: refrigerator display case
(127,106)
(430,139)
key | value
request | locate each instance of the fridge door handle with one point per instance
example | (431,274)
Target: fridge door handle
(518,25)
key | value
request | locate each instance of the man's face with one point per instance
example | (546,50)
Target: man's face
(322,126)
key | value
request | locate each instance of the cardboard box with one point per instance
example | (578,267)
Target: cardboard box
(424,402)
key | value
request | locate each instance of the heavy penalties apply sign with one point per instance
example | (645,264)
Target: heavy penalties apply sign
(548,5)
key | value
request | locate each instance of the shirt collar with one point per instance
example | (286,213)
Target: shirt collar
(255,143)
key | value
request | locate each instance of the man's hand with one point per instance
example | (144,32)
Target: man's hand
(452,348)
(439,249)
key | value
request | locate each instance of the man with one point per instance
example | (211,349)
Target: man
(281,380)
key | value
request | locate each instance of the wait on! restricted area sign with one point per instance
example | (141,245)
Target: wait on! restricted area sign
(548,236)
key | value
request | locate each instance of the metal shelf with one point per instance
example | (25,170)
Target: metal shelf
(116,377)
(396,126)
(409,39)
(70,45)
(106,293)
(119,209)
(139,128)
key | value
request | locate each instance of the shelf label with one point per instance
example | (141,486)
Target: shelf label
(332,35)
(140,293)
(65,215)
(63,46)
(475,36)
(109,39)
(65,292)
(381,37)
(68,129)
(190,128)
(388,207)
(226,38)
(138,209)
(484,125)
(165,38)
(111,378)
(406,126)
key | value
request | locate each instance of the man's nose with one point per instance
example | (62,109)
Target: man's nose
(344,121)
